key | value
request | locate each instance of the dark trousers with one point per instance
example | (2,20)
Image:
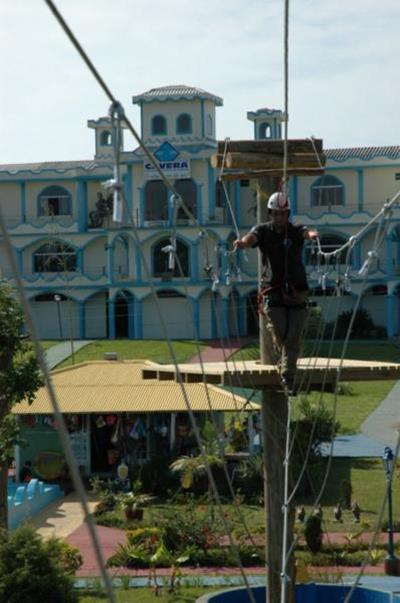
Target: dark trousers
(286,324)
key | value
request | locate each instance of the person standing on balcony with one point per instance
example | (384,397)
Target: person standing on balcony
(283,284)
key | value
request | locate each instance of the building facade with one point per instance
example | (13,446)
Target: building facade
(87,278)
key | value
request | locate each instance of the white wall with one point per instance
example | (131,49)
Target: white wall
(95,316)
(46,319)
(177,314)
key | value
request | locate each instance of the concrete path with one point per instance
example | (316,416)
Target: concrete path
(59,352)
(61,517)
(383,424)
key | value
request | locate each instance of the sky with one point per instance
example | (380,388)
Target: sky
(344,80)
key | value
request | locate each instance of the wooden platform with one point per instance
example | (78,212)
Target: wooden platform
(252,374)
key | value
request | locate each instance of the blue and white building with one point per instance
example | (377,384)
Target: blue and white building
(86,277)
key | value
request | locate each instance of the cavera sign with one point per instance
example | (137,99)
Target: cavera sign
(171,163)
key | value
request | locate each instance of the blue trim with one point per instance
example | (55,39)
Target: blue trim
(211,191)
(355,167)
(23,201)
(131,317)
(82,205)
(203,133)
(294,194)
(360,188)
(213,301)
(322,181)
(180,131)
(224,317)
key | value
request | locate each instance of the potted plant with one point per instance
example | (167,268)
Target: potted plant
(133,503)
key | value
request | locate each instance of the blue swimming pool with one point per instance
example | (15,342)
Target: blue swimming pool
(26,500)
(310,593)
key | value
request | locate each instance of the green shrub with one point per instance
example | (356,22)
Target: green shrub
(31,571)
(363,326)
(315,323)
(68,557)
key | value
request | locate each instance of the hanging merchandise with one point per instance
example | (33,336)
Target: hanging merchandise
(138,430)
(100,422)
(115,435)
(110,420)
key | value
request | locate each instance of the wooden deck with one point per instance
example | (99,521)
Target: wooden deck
(310,371)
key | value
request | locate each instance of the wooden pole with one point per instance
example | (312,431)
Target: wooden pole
(273,419)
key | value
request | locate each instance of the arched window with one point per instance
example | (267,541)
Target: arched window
(264,130)
(210,129)
(187,190)
(46,297)
(55,256)
(158,125)
(160,260)
(55,201)
(184,124)
(105,138)
(156,201)
(327,191)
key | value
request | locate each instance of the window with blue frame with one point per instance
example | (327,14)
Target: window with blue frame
(156,201)
(327,191)
(105,138)
(264,130)
(184,124)
(55,201)
(158,125)
(187,190)
(55,256)
(161,260)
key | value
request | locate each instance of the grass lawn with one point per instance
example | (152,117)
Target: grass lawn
(129,349)
(377,349)
(185,594)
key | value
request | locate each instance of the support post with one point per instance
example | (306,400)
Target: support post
(273,421)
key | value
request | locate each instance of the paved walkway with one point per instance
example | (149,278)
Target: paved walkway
(383,424)
(214,353)
(61,517)
(59,352)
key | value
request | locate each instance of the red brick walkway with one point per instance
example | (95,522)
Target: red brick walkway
(215,353)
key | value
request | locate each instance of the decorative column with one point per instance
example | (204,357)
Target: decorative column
(389,256)
(224,317)
(138,318)
(131,318)
(194,261)
(111,319)
(196,316)
(241,315)
(390,318)
(82,205)
(22,202)
(110,262)
(82,334)
(138,266)
(360,188)
(211,191)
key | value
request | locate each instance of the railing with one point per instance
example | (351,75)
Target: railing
(14,221)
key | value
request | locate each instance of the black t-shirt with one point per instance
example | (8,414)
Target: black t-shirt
(281,254)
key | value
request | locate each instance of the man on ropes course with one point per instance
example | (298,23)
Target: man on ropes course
(283,287)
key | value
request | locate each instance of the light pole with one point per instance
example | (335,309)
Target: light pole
(57,299)
(391,562)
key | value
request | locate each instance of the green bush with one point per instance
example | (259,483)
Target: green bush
(313,533)
(315,323)
(32,571)
(363,326)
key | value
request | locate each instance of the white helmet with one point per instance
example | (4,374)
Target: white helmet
(279,201)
